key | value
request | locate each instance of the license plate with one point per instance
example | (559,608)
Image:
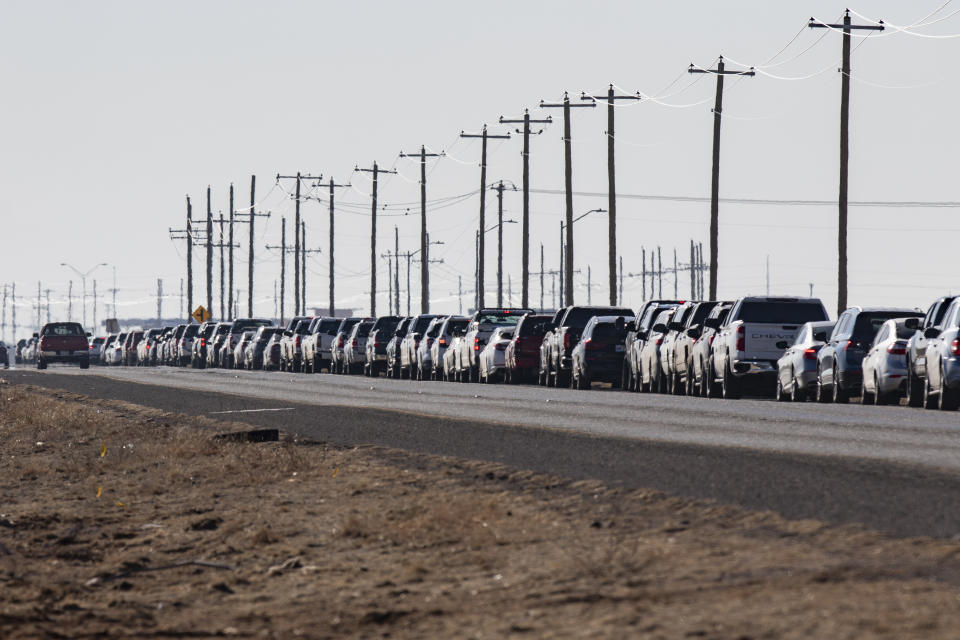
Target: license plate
(618,348)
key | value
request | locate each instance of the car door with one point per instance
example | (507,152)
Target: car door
(827,356)
(871,360)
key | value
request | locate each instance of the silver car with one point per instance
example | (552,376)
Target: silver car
(425,361)
(797,367)
(885,374)
(492,360)
(942,387)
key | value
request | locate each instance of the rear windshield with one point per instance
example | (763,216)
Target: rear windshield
(329,326)
(609,331)
(422,325)
(869,323)
(457,325)
(578,318)
(782,312)
(537,326)
(303,327)
(364,329)
(387,326)
(63,329)
(347,325)
(244,325)
(269,333)
(702,312)
(98,340)
(192,330)
(903,333)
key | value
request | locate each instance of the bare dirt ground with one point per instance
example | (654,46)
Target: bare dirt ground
(119,521)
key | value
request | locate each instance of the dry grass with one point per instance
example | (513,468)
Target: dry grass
(191,537)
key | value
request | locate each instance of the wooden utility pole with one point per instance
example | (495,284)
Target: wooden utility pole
(846,27)
(499,189)
(541,276)
(484,136)
(611,97)
(720,72)
(296,232)
(693,271)
(525,269)
(376,171)
(13,309)
(424,250)
(250,218)
(159,299)
(568,183)
(189,236)
(396,270)
(229,315)
(283,263)
(332,186)
(209,254)
(223,311)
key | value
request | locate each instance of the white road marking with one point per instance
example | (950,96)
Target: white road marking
(252,410)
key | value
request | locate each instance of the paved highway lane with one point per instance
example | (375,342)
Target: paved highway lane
(892,468)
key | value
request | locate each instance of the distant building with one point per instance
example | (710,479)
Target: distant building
(337,313)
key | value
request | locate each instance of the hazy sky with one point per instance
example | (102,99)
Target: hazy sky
(115,111)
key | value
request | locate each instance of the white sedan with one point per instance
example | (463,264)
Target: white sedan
(492,360)
(885,365)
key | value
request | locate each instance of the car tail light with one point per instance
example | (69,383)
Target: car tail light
(353,343)
(898,348)
(340,343)
(298,341)
(566,341)
(591,345)
(851,344)
(955,347)
(91,347)
(476,344)
(710,340)
(443,342)
(741,338)
(376,342)
(809,354)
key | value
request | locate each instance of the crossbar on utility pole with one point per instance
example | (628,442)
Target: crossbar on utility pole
(846,27)
(567,181)
(611,98)
(526,121)
(720,72)
(376,171)
(484,136)
(425,263)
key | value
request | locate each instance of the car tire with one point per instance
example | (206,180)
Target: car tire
(840,396)
(796,393)
(85,363)
(779,394)
(929,400)
(948,398)
(822,396)
(41,363)
(915,388)
(866,397)
(730,387)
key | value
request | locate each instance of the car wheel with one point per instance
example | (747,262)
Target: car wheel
(822,395)
(796,393)
(929,401)
(779,393)
(914,389)
(948,397)
(866,397)
(840,396)
(85,363)
(41,364)
(729,385)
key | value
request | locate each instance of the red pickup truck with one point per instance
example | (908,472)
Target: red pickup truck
(62,342)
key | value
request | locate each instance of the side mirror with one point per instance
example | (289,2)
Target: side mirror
(782,344)
(912,323)
(693,332)
(642,335)
(931,332)
(36,335)
(820,336)
(89,335)
(712,323)
(659,328)
(287,332)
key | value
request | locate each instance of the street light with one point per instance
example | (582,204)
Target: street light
(562,227)
(83,278)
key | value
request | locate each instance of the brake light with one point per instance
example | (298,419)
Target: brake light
(91,347)
(340,343)
(376,341)
(476,344)
(741,338)
(955,347)
(851,344)
(809,354)
(659,339)
(898,348)
(591,346)
(443,342)
(566,342)
(298,341)
(710,339)
(203,342)
(353,342)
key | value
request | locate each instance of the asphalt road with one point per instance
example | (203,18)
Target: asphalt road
(891,468)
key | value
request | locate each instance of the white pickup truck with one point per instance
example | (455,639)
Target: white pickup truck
(758,330)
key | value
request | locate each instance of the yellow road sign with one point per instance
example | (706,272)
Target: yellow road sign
(201,314)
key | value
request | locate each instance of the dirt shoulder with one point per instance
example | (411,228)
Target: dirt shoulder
(122,521)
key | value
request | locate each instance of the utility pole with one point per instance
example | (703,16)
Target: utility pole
(333,186)
(611,97)
(460,292)
(250,218)
(396,270)
(46,294)
(424,250)
(561,265)
(693,271)
(3,320)
(175,234)
(499,190)
(409,255)
(69,302)
(229,315)
(589,286)
(484,136)
(296,232)
(283,265)
(376,171)
(389,256)
(720,72)
(568,182)
(209,254)
(620,297)
(659,274)
(13,309)
(223,312)
(676,284)
(159,299)
(526,121)
(38,306)
(541,276)
(846,27)
(94,305)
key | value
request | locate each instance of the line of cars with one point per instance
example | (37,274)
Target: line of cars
(786,347)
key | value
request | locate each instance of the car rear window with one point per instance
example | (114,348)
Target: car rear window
(578,318)
(782,312)
(904,333)
(98,340)
(63,329)
(191,331)
(303,327)
(245,325)
(457,325)
(421,325)
(609,331)
(364,329)
(347,325)
(869,322)
(535,326)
